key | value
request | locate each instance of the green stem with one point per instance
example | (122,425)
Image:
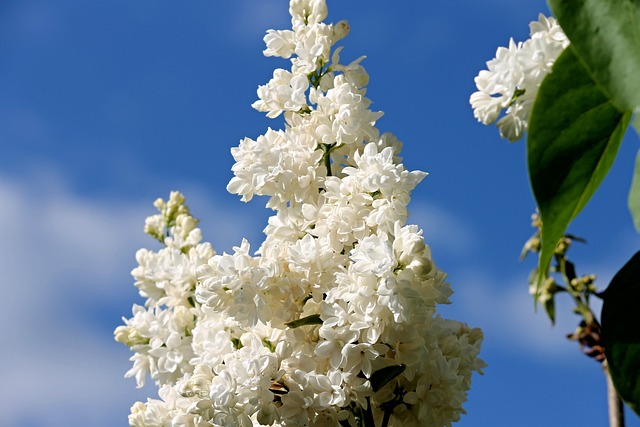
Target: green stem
(368,416)
(327,162)
(326,157)
(390,406)
(582,306)
(386,418)
(562,265)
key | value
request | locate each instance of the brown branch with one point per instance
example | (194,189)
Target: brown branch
(616,410)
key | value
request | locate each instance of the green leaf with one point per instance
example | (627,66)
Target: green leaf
(384,376)
(574,135)
(621,331)
(635,122)
(634,195)
(606,37)
(550,308)
(314,319)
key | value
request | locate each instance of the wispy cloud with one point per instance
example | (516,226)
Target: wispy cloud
(65,279)
(57,248)
(504,309)
(37,19)
(443,229)
(254,17)
(499,304)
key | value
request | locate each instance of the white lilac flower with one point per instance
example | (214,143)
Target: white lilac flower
(213,338)
(513,77)
(340,288)
(161,341)
(279,164)
(237,285)
(354,73)
(167,277)
(313,46)
(279,43)
(373,255)
(307,11)
(153,413)
(347,109)
(341,218)
(284,92)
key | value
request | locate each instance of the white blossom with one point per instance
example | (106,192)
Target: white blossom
(294,333)
(279,43)
(513,77)
(280,164)
(284,92)
(307,11)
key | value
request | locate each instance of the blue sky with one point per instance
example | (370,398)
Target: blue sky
(105,106)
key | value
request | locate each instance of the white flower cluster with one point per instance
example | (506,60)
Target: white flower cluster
(332,322)
(514,77)
(161,332)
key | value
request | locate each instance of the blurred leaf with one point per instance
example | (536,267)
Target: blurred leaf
(383,376)
(550,308)
(634,195)
(621,331)
(574,135)
(314,319)
(635,122)
(606,37)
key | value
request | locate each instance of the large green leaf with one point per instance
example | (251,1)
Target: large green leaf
(634,195)
(606,36)
(621,331)
(574,135)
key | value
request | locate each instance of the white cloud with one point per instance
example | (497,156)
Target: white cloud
(62,375)
(65,275)
(56,247)
(505,311)
(254,17)
(443,230)
(501,306)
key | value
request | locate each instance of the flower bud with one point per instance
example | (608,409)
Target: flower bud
(340,30)
(266,415)
(284,349)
